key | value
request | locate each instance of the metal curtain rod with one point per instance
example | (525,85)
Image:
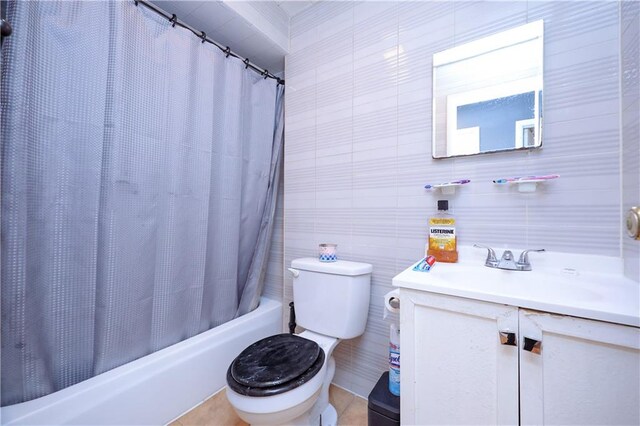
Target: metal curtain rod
(203,36)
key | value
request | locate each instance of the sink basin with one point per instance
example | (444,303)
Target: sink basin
(579,285)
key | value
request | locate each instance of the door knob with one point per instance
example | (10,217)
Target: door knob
(507,338)
(532,345)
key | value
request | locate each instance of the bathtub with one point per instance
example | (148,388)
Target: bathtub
(157,388)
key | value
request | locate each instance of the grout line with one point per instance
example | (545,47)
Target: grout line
(621,235)
(397,82)
(353,94)
(349,343)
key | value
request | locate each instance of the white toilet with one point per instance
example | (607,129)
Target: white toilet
(284,379)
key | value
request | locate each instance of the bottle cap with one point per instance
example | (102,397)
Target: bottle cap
(443,204)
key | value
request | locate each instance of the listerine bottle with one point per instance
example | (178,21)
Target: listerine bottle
(442,235)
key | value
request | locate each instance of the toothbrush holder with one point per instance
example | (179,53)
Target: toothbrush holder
(327,252)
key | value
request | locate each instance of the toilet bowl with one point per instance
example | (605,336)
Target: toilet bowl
(305,400)
(285,378)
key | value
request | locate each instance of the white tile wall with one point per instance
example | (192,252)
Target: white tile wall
(358,142)
(630,107)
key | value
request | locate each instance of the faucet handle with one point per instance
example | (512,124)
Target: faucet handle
(524,256)
(491,260)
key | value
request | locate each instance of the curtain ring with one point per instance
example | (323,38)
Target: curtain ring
(227,51)
(136,2)
(265,73)
(173,20)
(5,28)
(246,63)
(203,36)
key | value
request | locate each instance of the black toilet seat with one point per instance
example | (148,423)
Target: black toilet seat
(275,365)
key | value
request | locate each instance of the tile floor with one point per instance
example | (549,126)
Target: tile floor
(216,411)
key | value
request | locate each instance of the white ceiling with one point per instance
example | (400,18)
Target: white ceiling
(293,7)
(228,28)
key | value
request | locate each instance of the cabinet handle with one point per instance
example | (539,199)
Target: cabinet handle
(507,338)
(532,345)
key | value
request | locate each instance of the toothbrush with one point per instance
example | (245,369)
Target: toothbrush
(506,180)
(455,182)
(516,179)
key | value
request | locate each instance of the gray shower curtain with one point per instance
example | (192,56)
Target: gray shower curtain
(139,174)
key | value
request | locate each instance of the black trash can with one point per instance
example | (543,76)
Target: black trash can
(384,407)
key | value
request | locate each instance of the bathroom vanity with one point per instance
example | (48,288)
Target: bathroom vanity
(556,345)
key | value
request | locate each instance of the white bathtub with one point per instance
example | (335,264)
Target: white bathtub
(157,388)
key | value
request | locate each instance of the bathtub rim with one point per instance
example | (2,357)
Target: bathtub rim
(138,370)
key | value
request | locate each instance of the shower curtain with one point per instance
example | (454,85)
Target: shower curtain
(139,174)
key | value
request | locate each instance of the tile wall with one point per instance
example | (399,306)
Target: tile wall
(630,111)
(358,143)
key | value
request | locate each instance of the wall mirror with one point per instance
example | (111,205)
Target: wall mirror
(487,94)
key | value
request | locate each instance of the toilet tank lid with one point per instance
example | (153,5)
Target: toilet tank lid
(339,267)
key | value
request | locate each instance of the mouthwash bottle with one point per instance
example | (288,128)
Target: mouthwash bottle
(442,235)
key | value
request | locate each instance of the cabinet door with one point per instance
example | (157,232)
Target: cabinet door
(579,371)
(454,369)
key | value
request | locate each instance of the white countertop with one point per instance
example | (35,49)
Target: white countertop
(583,286)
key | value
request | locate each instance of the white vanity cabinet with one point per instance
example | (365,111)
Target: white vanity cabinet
(467,361)
(587,372)
(453,369)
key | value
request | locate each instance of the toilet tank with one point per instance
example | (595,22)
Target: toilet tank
(331,298)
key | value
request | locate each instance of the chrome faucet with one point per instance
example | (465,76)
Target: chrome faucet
(507,260)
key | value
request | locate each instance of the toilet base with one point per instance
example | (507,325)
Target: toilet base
(308,412)
(329,416)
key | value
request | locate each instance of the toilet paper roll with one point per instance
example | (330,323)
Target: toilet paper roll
(391,302)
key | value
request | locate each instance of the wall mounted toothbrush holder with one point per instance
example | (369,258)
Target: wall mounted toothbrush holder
(527,183)
(448,187)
